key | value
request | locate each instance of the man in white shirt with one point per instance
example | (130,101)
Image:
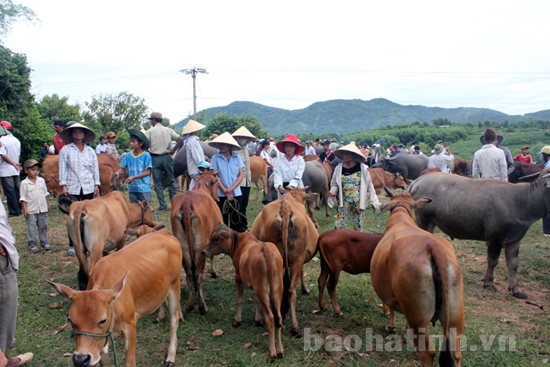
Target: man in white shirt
(441,158)
(490,161)
(101,147)
(310,150)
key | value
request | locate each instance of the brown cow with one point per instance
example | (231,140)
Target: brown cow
(462,167)
(97,226)
(311,157)
(259,266)
(194,216)
(381,178)
(124,287)
(341,249)
(286,223)
(430,170)
(258,170)
(416,273)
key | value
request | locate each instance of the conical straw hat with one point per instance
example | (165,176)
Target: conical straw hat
(192,126)
(350,148)
(225,138)
(243,131)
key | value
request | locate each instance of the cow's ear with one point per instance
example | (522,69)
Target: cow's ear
(385,207)
(420,203)
(63,290)
(118,286)
(158,227)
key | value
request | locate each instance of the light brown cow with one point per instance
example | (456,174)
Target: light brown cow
(286,223)
(124,287)
(97,226)
(381,178)
(194,216)
(416,273)
(258,170)
(341,249)
(259,266)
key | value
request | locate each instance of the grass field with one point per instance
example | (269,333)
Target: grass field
(521,330)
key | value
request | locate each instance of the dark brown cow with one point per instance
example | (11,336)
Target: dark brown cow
(193,218)
(462,168)
(286,223)
(259,266)
(417,273)
(343,250)
(525,172)
(381,178)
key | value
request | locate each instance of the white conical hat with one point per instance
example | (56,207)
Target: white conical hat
(243,131)
(225,138)
(350,148)
(192,126)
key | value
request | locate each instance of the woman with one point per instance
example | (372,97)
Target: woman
(264,154)
(351,181)
(289,169)
(194,152)
(229,167)
(243,137)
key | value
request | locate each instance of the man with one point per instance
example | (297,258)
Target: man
(111,147)
(490,161)
(309,149)
(327,153)
(160,139)
(441,158)
(58,143)
(101,147)
(10,150)
(381,150)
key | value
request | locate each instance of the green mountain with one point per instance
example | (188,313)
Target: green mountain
(345,116)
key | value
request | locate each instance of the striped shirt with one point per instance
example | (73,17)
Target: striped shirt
(78,170)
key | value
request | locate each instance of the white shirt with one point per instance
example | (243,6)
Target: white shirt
(12,148)
(34,194)
(440,161)
(101,148)
(7,240)
(490,162)
(310,151)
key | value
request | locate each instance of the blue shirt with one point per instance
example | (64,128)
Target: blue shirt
(136,165)
(228,171)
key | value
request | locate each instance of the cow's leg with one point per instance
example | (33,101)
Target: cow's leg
(493,252)
(512,259)
(199,275)
(295,273)
(424,346)
(173,301)
(237,318)
(261,297)
(257,313)
(305,289)
(104,356)
(332,283)
(321,282)
(129,333)
(190,286)
(213,271)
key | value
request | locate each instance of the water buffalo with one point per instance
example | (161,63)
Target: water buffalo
(315,178)
(527,170)
(409,165)
(494,211)
(180,160)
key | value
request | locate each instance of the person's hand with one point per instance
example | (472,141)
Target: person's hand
(26,213)
(281,189)
(96,190)
(3,253)
(332,192)
(64,189)
(229,196)
(130,179)
(18,166)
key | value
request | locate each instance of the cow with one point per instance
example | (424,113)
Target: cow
(194,216)
(97,227)
(409,165)
(286,223)
(417,273)
(315,179)
(342,249)
(381,178)
(142,230)
(462,167)
(180,159)
(124,287)
(494,211)
(258,171)
(525,172)
(259,266)
(429,170)
(311,157)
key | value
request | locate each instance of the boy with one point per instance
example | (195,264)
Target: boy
(33,197)
(138,166)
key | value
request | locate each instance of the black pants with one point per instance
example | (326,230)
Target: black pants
(244,203)
(231,217)
(546,225)
(10,185)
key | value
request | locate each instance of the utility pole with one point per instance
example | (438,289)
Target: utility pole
(193,73)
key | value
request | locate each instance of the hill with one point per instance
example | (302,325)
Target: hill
(345,116)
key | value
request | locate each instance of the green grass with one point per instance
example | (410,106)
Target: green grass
(486,313)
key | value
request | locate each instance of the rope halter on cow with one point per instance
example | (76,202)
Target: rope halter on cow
(108,335)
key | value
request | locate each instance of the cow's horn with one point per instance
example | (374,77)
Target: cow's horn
(388,191)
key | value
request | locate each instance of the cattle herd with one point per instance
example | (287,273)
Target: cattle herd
(412,270)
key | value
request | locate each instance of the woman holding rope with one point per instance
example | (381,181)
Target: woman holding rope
(229,167)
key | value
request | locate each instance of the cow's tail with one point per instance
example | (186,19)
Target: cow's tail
(187,218)
(269,260)
(442,284)
(78,233)
(324,262)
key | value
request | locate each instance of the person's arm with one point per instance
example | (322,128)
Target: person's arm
(179,144)
(95,167)
(9,161)
(145,173)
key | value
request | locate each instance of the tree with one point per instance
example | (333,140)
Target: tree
(57,108)
(15,83)
(10,13)
(223,122)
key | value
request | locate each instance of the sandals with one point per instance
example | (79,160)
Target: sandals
(46,247)
(34,249)
(71,252)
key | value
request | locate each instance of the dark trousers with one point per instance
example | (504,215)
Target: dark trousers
(163,167)
(546,225)
(10,185)
(244,204)
(8,304)
(231,217)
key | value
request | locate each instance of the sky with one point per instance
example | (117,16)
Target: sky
(290,54)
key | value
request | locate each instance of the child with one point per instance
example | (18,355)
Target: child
(204,166)
(138,166)
(33,197)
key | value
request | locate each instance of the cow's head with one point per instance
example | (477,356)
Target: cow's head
(221,240)
(399,182)
(270,194)
(143,230)
(91,317)
(208,181)
(404,201)
(147,214)
(52,183)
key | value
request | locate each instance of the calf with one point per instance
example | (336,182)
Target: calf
(124,287)
(417,273)
(259,266)
(381,178)
(340,249)
(97,226)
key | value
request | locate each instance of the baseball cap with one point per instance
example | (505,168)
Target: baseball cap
(155,115)
(30,163)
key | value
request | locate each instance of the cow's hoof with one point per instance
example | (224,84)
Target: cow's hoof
(305,291)
(204,310)
(390,329)
(295,332)
(490,287)
(520,295)
(214,275)
(259,323)
(189,308)
(169,364)
(236,323)
(280,354)
(341,314)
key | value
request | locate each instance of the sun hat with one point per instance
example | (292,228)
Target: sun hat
(350,148)
(243,131)
(110,134)
(6,124)
(31,163)
(499,137)
(438,148)
(155,115)
(192,126)
(545,150)
(66,136)
(524,147)
(225,138)
(290,138)
(141,136)
(64,202)
(203,164)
